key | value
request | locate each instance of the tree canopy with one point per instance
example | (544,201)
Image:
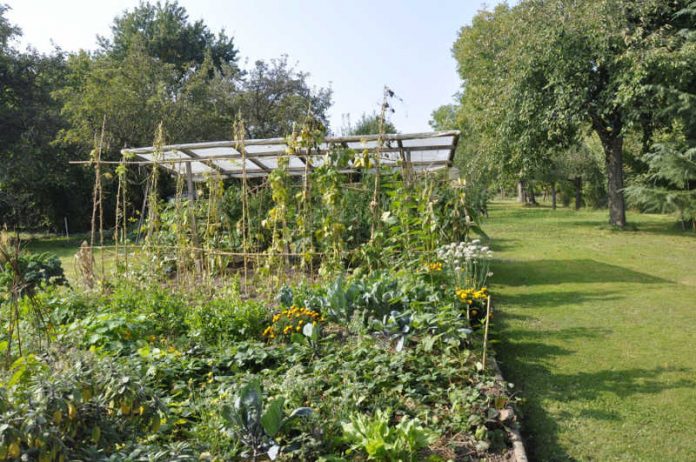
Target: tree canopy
(156,67)
(369,124)
(539,76)
(163,31)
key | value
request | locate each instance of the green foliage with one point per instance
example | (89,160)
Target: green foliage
(72,407)
(670,184)
(225,320)
(538,76)
(163,30)
(256,425)
(36,188)
(31,269)
(402,442)
(368,125)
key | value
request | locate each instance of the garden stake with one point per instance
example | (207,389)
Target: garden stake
(485,330)
(238,135)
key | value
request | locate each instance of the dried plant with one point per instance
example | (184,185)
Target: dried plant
(84,265)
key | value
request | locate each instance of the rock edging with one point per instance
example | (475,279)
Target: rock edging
(518,450)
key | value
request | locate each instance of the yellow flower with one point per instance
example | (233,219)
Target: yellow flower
(435,266)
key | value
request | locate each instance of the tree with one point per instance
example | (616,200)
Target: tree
(369,125)
(444,117)
(670,184)
(274,96)
(164,32)
(37,186)
(134,94)
(664,63)
(539,75)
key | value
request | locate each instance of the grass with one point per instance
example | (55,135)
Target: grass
(597,329)
(65,249)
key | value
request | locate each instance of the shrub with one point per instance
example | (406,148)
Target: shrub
(72,406)
(226,319)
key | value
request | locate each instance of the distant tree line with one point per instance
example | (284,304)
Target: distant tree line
(155,65)
(596,99)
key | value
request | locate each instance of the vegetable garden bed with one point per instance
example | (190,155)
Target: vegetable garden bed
(355,328)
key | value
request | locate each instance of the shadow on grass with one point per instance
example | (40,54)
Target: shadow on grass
(500,245)
(665,229)
(531,272)
(554,299)
(524,357)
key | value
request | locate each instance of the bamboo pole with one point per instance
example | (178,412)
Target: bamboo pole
(239,133)
(191,194)
(485,331)
(124,216)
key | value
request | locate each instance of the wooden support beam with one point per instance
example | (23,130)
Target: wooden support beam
(204,160)
(258,164)
(299,171)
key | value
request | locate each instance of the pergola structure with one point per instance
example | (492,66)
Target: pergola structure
(419,151)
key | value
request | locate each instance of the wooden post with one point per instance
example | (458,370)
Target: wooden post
(191,194)
(485,331)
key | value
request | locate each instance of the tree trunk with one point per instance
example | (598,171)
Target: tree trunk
(521,192)
(531,198)
(612,143)
(613,150)
(553,195)
(577,182)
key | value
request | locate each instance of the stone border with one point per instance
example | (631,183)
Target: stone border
(518,451)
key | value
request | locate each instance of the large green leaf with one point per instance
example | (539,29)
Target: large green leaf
(272,419)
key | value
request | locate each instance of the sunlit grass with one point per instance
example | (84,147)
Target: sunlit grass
(597,329)
(66,248)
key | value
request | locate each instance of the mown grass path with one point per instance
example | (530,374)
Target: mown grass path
(597,330)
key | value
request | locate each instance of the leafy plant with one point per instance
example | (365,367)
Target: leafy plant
(468,262)
(73,408)
(397,327)
(256,426)
(384,442)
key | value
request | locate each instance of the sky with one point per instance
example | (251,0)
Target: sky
(356,47)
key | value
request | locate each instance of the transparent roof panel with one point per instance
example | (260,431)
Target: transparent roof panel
(260,148)
(232,164)
(296,163)
(441,141)
(216,152)
(432,156)
(428,151)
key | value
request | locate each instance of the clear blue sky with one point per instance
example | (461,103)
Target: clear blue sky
(354,46)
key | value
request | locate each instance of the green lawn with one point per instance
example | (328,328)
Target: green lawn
(65,249)
(597,329)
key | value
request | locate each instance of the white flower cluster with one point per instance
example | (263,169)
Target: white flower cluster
(460,253)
